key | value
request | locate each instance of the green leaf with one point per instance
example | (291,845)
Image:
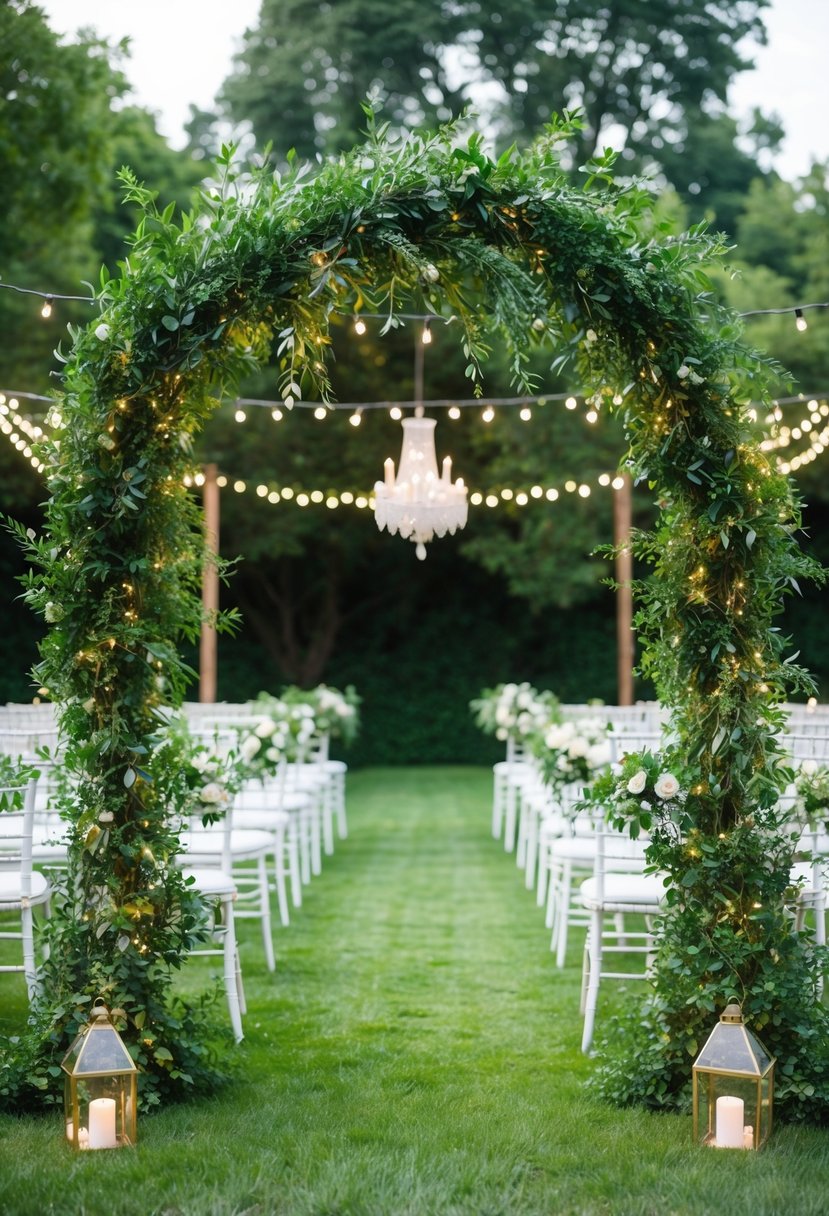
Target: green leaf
(129,778)
(169,323)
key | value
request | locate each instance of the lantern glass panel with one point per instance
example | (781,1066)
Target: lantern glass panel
(100,1092)
(733,1079)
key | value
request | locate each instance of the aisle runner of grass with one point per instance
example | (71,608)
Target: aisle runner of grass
(416,1054)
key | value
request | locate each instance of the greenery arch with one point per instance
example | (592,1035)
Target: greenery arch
(509,247)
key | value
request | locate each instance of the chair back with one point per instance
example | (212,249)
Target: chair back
(617,853)
(209,845)
(16,827)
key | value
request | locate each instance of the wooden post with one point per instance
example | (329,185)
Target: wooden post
(209,588)
(622,521)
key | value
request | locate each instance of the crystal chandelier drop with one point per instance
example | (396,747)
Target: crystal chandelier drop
(418,503)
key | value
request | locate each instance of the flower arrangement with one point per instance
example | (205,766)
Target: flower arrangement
(283,733)
(207,777)
(336,713)
(812,787)
(571,751)
(642,794)
(514,711)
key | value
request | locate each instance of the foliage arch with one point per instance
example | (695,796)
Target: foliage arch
(510,248)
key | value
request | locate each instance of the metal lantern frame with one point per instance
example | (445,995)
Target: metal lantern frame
(101,1093)
(734,1065)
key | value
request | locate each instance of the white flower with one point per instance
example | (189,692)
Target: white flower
(212,793)
(89,704)
(539,324)
(502,734)
(431,273)
(591,336)
(645,805)
(53,613)
(638,782)
(599,755)
(273,754)
(106,817)
(249,747)
(683,372)
(667,786)
(808,767)
(265,728)
(102,332)
(200,761)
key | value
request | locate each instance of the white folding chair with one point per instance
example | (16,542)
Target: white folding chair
(22,889)
(618,886)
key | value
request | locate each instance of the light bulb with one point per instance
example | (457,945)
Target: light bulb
(800,321)
(240,415)
(454,412)
(571,403)
(276,415)
(426,336)
(488,414)
(396,413)
(320,413)
(359,325)
(356,418)
(526,414)
(46,310)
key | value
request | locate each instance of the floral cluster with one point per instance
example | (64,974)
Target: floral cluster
(284,733)
(207,775)
(336,713)
(812,787)
(641,793)
(572,751)
(514,711)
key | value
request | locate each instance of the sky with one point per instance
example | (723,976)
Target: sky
(182,51)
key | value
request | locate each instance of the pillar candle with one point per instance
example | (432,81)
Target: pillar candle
(102,1123)
(388,467)
(729,1125)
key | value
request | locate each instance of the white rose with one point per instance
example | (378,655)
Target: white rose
(249,747)
(212,793)
(599,755)
(808,767)
(667,786)
(502,734)
(578,748)
(102,332)
(265,728)
(683,372)
(106,817)
(591,336)
(638,782)
(431,273)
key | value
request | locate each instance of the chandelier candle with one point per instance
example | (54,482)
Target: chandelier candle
(418,503)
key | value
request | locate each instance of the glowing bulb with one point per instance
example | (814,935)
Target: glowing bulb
(239,487)
(302,500)
(46,310)
(604,479)
(320,413)
(592,416)
(359,325)
(551,495)
(396,413)
(584,491)
(240,415)
(800,321)
(617,483)
(347,497)
(488,414)
(426,336)
(506,494)
(526,414)
(221,481)
(491,500)
(262,491)
(570,403)
(454,412)
(356,418)
(276,415)
(536,492)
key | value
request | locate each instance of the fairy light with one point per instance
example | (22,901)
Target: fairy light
(525,414)
(800,321)
(320,413)
(46,310)
(454,412)
(570,403)
(277,414)
(356,418)
(240,415)
(487,414)
(426,336)
(359,325)
(395,413)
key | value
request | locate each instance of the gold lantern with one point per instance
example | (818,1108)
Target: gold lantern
(733,1086)
(100,1092)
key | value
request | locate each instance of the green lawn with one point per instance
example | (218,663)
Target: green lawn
(416,1053)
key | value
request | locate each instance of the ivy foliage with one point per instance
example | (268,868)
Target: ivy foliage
(519,256)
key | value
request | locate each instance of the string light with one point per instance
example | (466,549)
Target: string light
(487,414)
(426,336)
(277,415)
(800,321)
(240,415)
(396,413)
(359,325)
(46,310)
(320,413)
(454,412)
(356,418)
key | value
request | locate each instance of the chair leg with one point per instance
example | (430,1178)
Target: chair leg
(565,889)
(316,840)
(594,958)
(27,933)
(531,854)
(328,819)
(294,866)
(279,875)
(265,911)
(342,823)
(232,970)
(510,818)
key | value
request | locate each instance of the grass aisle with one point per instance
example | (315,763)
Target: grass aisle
(416,1054)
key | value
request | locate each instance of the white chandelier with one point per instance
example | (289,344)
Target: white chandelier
(418,503)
